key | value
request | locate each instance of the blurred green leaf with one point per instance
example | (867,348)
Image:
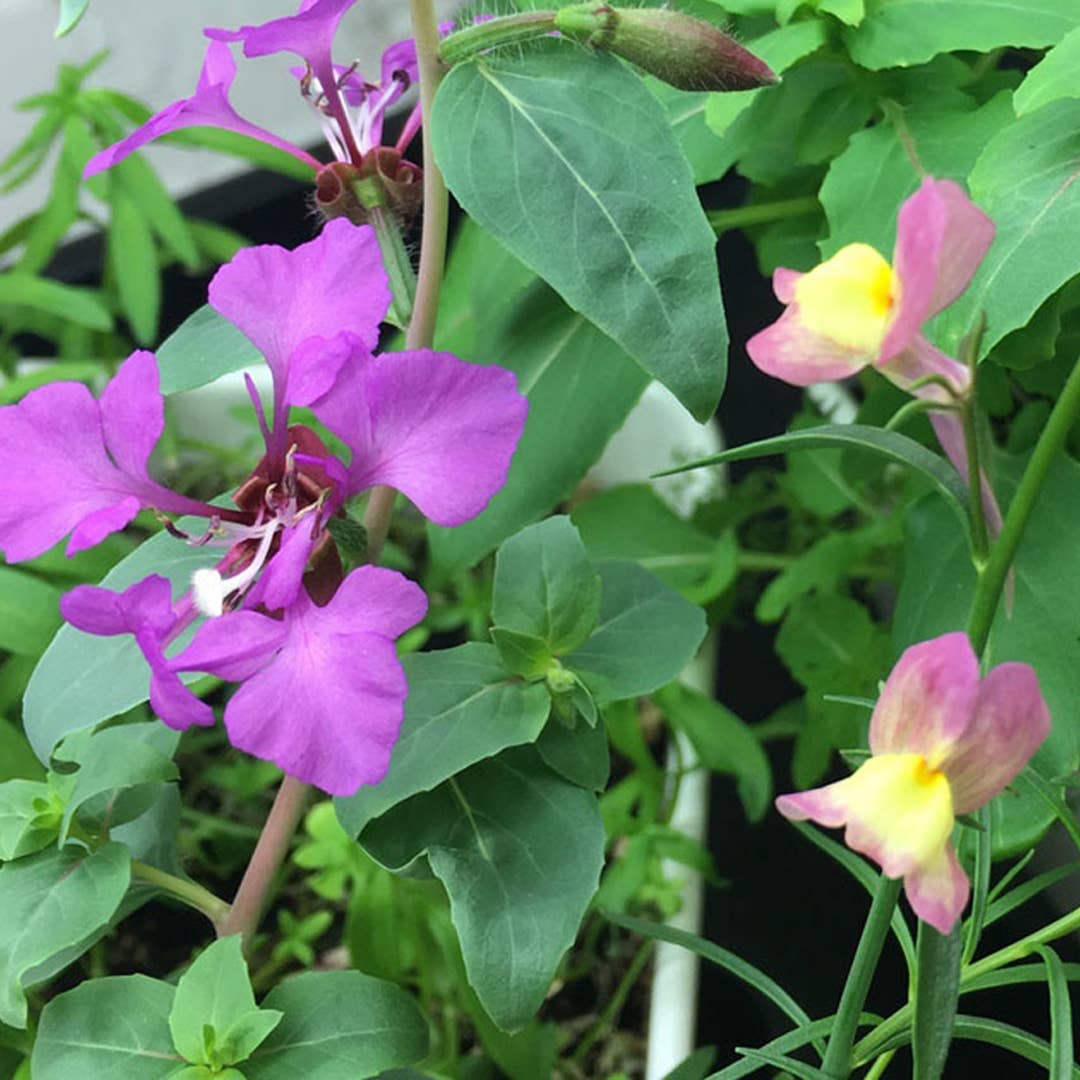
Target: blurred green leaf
(63,301)
(133,263)
(1056,76)
(71,11)
(29,612)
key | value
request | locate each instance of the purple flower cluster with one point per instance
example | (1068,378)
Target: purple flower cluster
(322,691)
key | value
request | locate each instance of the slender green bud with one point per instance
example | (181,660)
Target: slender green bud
(687,53)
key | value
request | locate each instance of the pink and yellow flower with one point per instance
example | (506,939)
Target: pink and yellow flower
(856,309)
(943,742)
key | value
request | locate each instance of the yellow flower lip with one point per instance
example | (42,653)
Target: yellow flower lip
(849,298)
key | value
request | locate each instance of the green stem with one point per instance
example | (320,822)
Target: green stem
(188,892)
(992,579)
(614,1004)
(837,1061)
(274,840)
(762,213)
(980,538)
(879,1066)
(1018,950)
(936,993)
(506,30)
(398,265)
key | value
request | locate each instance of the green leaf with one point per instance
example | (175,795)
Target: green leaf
(723,743)
(646,635)
(904,32)
(214,1020)
(580,754)
(71,11)
(633,522)
(52,901)
(1025,180)
(29,612)
(936,985)
(1061,1033)
(133,261)
(734,965)
(1041,630)
(201,349)
(520,146)
(115,1028)
(780,49)
(28,818)
(151,199)
(1056,76)
(258,153)
(1017,1041)
(686,114)
(462,707)
(80,306)
(17,759)
(496,836)
(545,586)
(696,1067)
(869,181)
(62,207)
(522,654)
(887,444)
(112,763)
(338,1025)
(83,679)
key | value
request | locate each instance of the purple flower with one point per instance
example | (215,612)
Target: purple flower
(350,110)
(322,692)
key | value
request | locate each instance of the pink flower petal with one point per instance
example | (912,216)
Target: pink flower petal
(938,890)
(919,360)
(133,412)
(941,238)
(207,107)
(280,298)
(309,33)
(437,429)
(328,707)
(949,430)
(1009,723)
(279,583)
(928,699)
(232,646)
(784,282)
(791,351)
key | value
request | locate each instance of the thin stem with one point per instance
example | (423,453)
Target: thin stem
(837,1061)
(879,1066)
(253,894)
(614,1004)
(761,213)
(188,892)
(398,265)
(377,520)
(421,330)
(504,30)
(992,580)
(980,538)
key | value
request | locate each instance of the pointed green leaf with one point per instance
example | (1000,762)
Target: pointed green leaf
(522,654)
(646,635)
(114,1028)
(80,306)
(463,706)
(496,836)
(338,1025)
(518,141)
(1061,1031)
(71,11)
(201,349)
(213,1019)
(580,753)
(1056,76)
(52,901)
(545,586)
(133,261)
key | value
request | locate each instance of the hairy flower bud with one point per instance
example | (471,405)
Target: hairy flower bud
(687,53)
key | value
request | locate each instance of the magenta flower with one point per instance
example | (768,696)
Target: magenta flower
(350,110)
(322,692)
(944,742)
(855,309)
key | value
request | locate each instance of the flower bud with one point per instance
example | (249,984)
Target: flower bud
(687,53)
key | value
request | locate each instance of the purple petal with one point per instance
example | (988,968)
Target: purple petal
(437,429)
(1009,723)
(233,646)
(133,412)
(328,707)
(938,890)
(280,298)
(58,474)
(400,60)
(279,583)
(309,33)
(315,364)
(207,107)
(791,351)
(927,701)
(147,603)
(941,238)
